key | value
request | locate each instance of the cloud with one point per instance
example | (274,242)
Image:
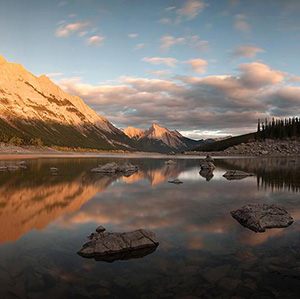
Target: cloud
(192,103)
(95,40)
(197,65)
(170,8)
(241,23)
(133,35)
(140,46)
(247,51)
(167,41)
(54,74)
(165,21)
(160,74)
(65,30)
(168,61)
(191,9)
(198,44)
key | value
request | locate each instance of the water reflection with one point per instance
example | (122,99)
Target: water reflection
(203,252)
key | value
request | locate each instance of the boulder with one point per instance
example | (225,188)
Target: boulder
(259,217)
(207,163)
(111,246)
(100,229)
(113,168)
(236,175)
(176,181)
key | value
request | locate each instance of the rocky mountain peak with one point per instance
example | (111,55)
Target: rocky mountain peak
(132,132)
(2,60)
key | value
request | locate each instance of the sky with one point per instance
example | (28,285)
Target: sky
(205,68)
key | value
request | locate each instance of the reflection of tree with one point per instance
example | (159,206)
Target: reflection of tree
(274,174)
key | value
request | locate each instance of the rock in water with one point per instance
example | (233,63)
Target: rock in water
(236,175)
(176,181)
(259,217)
(113,168)
(170,162)
(207,163)
(100,229)
(112,246)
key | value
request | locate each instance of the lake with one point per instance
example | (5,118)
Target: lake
(203,251)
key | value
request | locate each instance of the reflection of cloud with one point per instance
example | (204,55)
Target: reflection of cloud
(195,242)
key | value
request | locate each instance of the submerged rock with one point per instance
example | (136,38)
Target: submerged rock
(108,246)
(53,169)
(236,174)
(176,181)
(259,217)
(170,162)
(112,168)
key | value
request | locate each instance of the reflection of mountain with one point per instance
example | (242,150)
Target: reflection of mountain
(272,173)
(34,207)
(156,175)
(32,200)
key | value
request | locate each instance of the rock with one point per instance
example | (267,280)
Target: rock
(100,229)
(176,181)
(53,169)
(207,174)
(207,163)
(12,167)
(113,168)
(22,163)
(109,247)
(170,162)
(127,167)
(171,154)
(209,159)
(259,217)
(3,168)
(236,174)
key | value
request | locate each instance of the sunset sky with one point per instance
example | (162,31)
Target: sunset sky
(205,68)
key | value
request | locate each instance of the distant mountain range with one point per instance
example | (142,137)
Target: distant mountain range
(161,139)
(35,108)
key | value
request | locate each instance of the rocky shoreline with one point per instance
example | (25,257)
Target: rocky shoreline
(267,148)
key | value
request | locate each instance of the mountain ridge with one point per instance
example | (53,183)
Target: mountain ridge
(35,107)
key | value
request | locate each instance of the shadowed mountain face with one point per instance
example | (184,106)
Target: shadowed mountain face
(34,107)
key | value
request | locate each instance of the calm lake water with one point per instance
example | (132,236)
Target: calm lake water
(203,251)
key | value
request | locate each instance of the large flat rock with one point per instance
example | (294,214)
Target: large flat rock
(111,246)
(114,168)
(259,217)
(236,175)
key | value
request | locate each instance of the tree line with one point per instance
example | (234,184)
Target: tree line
(288,128)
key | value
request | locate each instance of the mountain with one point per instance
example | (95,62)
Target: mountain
(34,107)
(160,139)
